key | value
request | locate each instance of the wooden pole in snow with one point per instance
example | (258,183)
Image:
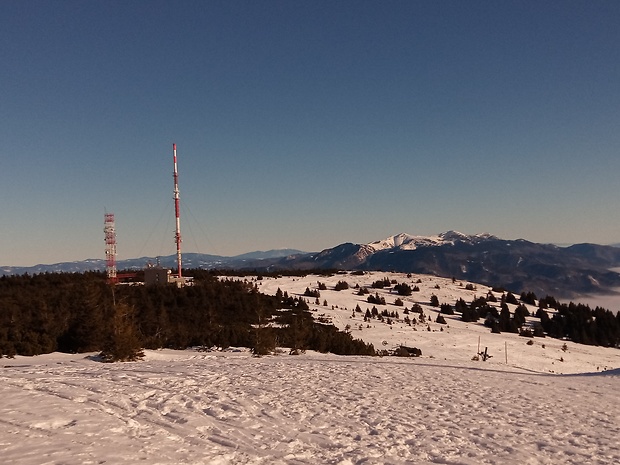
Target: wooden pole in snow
(506,351)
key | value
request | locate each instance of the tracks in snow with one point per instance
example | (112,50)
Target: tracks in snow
(302,410)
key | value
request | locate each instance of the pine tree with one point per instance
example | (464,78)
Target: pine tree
(123,344)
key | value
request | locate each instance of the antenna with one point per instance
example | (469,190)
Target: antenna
(177,235)
(110,247)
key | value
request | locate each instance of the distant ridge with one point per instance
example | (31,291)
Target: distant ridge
(404,241)
(517,265)
(260,255)
(190,260)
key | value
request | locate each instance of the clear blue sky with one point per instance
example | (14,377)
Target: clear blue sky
(305,124)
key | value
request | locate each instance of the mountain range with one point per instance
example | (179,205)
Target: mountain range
(517,265)
(190,260)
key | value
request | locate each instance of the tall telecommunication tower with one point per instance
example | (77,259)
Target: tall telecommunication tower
(177,235)
(110,247)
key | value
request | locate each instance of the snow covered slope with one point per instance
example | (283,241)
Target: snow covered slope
(191,407)
(231,408)
(455,341)
(404,241)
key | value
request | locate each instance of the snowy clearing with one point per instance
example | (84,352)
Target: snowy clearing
(455,341)
(232,408)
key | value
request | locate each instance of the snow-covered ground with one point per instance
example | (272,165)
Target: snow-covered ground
(193,407)
(455,341)
(231,408)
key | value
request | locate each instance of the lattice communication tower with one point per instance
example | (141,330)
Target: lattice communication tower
(177,234)
(110,247)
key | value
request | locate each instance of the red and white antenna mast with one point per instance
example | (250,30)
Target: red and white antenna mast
(110,247)
(177,235)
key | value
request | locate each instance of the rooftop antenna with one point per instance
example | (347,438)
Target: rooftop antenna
(177,235)
(110,247)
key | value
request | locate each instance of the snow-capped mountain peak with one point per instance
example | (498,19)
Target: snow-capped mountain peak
(404,241)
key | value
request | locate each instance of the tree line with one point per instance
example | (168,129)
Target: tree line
(574,321)
(79,312)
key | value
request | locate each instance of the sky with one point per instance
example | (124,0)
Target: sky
(305,124)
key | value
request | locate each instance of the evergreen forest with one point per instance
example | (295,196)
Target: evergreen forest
(80,312)
(573,321)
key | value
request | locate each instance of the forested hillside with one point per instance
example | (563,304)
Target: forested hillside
(80,313)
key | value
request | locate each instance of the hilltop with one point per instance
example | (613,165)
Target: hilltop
(454,341)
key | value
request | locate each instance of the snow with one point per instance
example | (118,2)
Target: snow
(406,241)
(227,407)
(231,408)
(456,341)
